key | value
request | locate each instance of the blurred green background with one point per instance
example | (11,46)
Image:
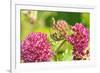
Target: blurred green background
(41,21)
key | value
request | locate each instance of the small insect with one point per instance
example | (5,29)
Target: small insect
(32,15)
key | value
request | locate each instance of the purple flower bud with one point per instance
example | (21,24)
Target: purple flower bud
(36,48)
(79,40)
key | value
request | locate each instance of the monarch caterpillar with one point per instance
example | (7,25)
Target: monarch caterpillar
(58,30)
(56,36)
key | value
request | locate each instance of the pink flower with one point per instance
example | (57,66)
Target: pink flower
(79,40)
(36,48)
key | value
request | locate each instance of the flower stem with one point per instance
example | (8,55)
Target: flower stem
(60,45)
(59,49)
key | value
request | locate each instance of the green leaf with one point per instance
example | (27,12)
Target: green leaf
(64,52)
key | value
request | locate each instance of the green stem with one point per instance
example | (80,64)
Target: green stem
(58,49)
(60,46)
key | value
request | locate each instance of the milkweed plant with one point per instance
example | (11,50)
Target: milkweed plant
(62,42)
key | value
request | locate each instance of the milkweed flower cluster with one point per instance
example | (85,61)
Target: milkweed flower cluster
(79,40)
(36,48)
